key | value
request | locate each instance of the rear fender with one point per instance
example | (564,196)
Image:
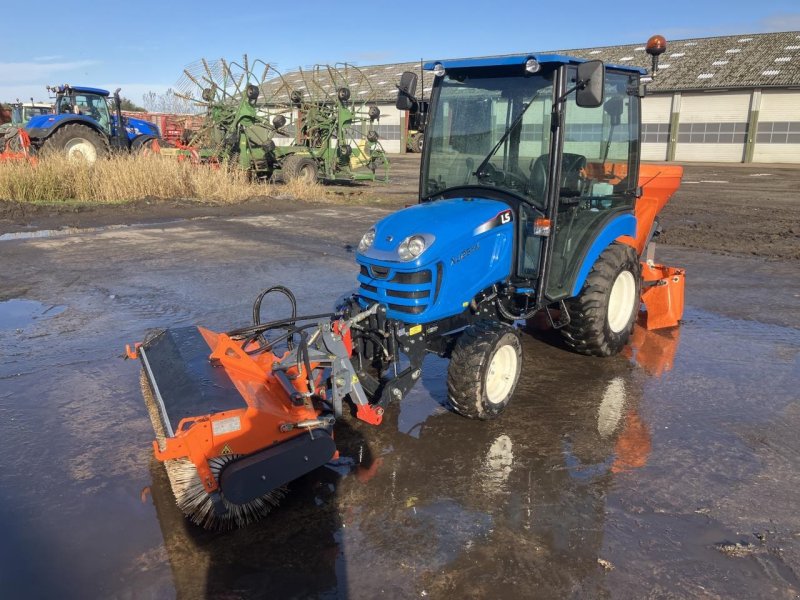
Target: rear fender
(623,225)
(42,127)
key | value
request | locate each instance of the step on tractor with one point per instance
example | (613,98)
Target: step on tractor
(85,125)
(310,128)
(533,206)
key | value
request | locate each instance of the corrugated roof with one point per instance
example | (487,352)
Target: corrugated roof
(732,61)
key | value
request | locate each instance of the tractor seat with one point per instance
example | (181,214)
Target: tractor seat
(572,168)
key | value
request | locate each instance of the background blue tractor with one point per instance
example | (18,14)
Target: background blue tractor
(86,125)
(531,204)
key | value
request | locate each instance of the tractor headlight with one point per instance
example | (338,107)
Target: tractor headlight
(411,247)
(367,240)
(438,69)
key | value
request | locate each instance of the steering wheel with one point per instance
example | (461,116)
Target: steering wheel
(499,177)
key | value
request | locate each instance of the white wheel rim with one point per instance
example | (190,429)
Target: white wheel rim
(621,301)
(502,374)
(81,149)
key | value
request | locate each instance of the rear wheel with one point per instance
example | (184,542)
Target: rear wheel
(299,167)
(602,316)
(77,142)
(484,370)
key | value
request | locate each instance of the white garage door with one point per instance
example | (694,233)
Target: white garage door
(656,112)
(778,133)
(713,127)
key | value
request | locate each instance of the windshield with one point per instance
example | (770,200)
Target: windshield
(470,125)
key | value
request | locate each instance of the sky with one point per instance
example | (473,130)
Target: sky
(144,47)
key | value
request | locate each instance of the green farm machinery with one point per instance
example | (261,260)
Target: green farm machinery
(307,126)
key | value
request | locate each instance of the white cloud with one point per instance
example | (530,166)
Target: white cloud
(15,73)
(48,58)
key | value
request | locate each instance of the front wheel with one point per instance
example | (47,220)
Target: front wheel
(603,314)
(484,370)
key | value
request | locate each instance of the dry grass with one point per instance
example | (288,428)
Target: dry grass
(127,178)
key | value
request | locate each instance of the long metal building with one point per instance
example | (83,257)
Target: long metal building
(733,98)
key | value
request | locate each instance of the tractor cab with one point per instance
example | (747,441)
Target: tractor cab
(86,101)
(528,131)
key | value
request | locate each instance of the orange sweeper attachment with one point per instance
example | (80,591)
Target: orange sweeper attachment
(236,419)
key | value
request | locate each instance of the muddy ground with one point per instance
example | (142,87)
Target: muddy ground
(668,472)
(731,209)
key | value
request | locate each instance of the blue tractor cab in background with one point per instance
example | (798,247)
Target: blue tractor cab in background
(86,125)
(530,202)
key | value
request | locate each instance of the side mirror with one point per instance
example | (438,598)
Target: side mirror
(406,91)
(591,81)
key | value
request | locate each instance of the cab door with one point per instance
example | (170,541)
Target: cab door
(598,180)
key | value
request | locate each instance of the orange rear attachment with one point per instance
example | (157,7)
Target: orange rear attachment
(17,148)
(662,295)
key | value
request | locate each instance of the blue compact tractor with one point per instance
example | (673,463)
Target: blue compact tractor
(533,204)
(532,200)
(87,126)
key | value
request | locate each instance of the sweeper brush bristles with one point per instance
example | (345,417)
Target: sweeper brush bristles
(190,495)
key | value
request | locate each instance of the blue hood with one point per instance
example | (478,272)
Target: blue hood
(41,121)
(137,127)
(449,221)
(470,248)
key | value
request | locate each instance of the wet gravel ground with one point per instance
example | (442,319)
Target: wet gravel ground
(669,472)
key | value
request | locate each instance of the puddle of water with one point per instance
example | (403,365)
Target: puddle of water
(50,233)
(18,313)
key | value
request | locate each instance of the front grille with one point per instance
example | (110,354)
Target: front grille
(404,293)
(411,310)
(416,277)
(401,294)
(379,272)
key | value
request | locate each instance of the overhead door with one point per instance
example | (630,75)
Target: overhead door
(713,127)
(656,112)
(778,133)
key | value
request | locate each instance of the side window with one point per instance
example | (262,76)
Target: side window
(601,148)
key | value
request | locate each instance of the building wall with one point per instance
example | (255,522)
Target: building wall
(713,127)
(656,111)
(778,129)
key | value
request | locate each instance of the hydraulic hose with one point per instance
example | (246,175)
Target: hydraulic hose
(257,308)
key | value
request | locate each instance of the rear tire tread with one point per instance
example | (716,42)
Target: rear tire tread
(588,331)
(57,141)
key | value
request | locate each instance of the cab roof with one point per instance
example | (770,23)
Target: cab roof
(85,90)
(519,59)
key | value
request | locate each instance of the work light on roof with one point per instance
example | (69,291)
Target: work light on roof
(655,47)
(532,65)
(438,69)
